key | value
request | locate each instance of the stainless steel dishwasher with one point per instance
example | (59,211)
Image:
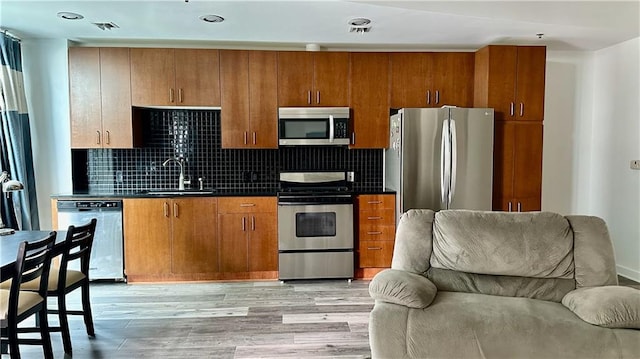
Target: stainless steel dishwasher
(107,251)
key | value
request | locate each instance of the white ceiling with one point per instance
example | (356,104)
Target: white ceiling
(469,25)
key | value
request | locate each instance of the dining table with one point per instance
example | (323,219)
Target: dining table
(10,243)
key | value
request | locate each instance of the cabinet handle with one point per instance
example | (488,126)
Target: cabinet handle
(309,97)
(374,202)
(353,138)
(374,218)
(374,248)
(98,141)
(171,99)
(509,206)
(255,138)
(247,204)
(428,97)
(244,224)
(511,105)
(374,233)
(521,109)
(519,207)
(175,210)
(317,96)
(180,95)
(253,223)
(245,137)
(108,137)
(437,97)
(165,207)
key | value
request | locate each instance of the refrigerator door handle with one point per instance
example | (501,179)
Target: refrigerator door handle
(454,159)
(444,162)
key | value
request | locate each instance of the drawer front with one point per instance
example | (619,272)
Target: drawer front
(247,204)
(372,218)
(375,254)
(376,201)
(377,233)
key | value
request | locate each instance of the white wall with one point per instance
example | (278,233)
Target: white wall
(592,131)
(47,87)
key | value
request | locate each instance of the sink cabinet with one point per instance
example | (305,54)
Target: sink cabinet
(248,237)
(175,77)
(170,238)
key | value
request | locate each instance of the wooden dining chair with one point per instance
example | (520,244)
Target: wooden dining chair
(33,263)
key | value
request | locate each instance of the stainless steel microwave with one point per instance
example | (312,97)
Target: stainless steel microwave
(313,126)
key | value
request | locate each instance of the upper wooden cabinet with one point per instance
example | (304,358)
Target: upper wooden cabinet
(249,88)
(369,103)
(100,98)
(517,169)
(175,77)
(313,78)
(431,79)
(511,80)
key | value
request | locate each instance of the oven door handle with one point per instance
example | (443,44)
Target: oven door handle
(315,203)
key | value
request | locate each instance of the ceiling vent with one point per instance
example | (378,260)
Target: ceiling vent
(106,25)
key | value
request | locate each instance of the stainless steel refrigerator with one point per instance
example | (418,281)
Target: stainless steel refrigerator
(441,158)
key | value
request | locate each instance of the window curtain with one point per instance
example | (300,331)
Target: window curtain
(19,210)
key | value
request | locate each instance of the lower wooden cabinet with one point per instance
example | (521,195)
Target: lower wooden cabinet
(248,235)
(376,232)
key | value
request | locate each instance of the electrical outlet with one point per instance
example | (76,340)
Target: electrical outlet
(635,164)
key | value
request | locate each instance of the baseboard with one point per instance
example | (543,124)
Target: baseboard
(628,273)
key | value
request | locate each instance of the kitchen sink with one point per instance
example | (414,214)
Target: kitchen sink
(177,192)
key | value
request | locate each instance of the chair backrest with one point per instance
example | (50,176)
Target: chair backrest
(32,262)
(77,246)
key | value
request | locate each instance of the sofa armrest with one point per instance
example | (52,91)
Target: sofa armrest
(606,306)
(404,288)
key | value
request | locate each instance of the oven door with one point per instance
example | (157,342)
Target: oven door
(313,224)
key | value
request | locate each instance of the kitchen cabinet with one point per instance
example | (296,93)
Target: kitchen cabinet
(100,98)
(511,80)
(376,230)
(517,169)
(168,238)
(369,88)
(431,79)
(249,114)
(175,77)
(313,78)
(247,232)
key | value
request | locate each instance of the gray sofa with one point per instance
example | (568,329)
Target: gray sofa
(470,284)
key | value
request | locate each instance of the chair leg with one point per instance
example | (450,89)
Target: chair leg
(86,308)
(45,335)
(12,334)
(64,323)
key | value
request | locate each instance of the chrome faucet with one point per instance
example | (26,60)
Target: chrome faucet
(181,180)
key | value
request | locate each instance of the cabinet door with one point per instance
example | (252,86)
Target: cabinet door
(263,242)
(84,94)
(370,99)
(295,78)
(234,241)
(152,77)
(527,162)
(234,80)
(503,159)
(530,83)
(375,254)
(331,79)
(147,233)
(194,242)
(115,89)
(197,77)
(408,79)
(495,78)
(451,74)
(263,97)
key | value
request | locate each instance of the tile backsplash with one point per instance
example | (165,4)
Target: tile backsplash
(195,137)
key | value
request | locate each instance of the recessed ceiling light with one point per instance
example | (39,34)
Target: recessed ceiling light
(361,21)
(69,15)
(211,18)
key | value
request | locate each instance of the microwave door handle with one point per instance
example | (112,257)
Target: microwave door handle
(331,130)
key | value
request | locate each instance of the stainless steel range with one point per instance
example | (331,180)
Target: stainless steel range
(315,225)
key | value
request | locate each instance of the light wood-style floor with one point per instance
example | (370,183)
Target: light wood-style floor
(311,319)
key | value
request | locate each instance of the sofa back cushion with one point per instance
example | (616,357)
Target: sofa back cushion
(529,244)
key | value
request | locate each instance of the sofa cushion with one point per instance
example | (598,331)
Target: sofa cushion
(412,249)
(607,306)
(531,244)
(403,288)
(553,289)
